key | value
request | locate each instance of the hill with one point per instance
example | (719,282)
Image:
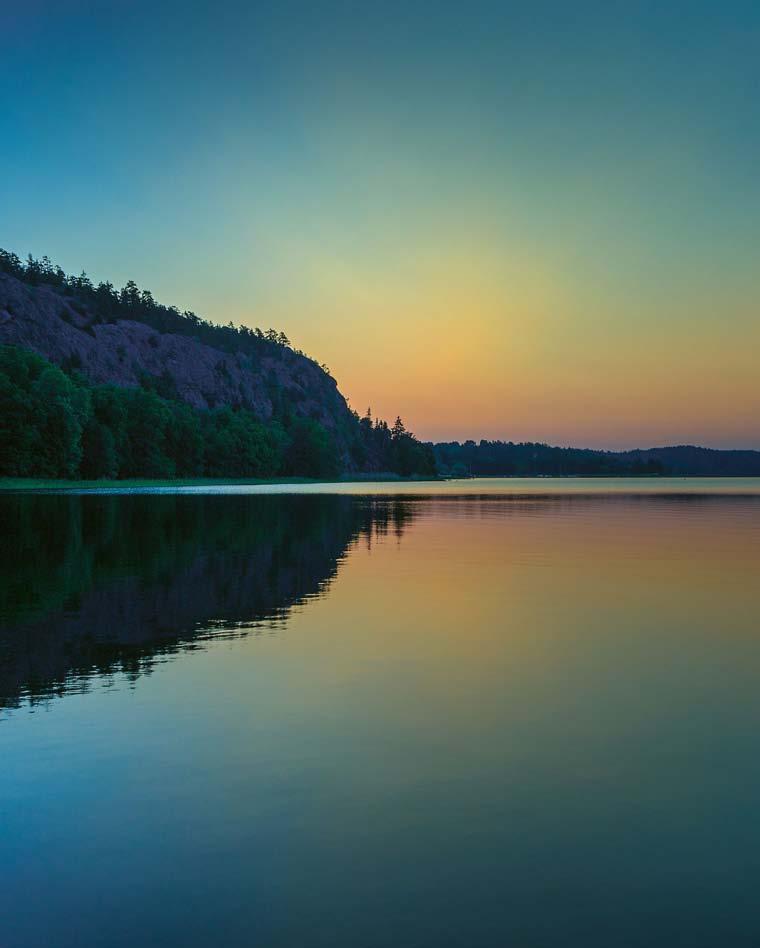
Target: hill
(529,459)
(248,403)
(691,461)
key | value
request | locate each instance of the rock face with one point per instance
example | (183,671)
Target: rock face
(125,353)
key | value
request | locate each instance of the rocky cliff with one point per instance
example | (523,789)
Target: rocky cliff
(125,352)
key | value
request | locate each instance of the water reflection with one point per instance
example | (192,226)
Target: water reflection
(92,585)
(482,721)
(96,585)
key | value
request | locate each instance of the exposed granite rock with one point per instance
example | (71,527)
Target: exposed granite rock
(124,353)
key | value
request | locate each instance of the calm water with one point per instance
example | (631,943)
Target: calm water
(323,719)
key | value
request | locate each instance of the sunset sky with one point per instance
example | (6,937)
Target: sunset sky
(528,221)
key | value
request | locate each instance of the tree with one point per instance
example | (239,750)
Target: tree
(311,452)
(63,410)
(19,435)
(129,296)
(147,419)
(99,456)
(184,441)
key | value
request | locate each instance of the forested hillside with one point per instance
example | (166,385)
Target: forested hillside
(96,382)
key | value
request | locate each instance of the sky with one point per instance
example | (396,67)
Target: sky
(526,221)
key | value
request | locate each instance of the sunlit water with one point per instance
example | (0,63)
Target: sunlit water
(460,719)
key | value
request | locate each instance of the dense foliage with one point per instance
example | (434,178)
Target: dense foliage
(55,424)
(395,448)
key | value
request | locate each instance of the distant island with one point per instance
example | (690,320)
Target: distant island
(99,383)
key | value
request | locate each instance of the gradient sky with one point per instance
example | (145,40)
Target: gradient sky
(517,220)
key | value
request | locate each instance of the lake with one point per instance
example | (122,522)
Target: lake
(474,713)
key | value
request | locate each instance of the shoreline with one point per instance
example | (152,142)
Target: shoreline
(16,484)
(31,484)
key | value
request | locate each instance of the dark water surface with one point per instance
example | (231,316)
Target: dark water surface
(346,720)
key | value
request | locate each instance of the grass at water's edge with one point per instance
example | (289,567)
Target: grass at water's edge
(33,483)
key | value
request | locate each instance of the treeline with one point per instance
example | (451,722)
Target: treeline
(103,303)
(392,449)
(55,424)
(688,460)
(528,459)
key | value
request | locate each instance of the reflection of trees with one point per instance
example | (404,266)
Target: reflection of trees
(98,584)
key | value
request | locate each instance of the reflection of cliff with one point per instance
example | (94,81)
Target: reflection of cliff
(97,584)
